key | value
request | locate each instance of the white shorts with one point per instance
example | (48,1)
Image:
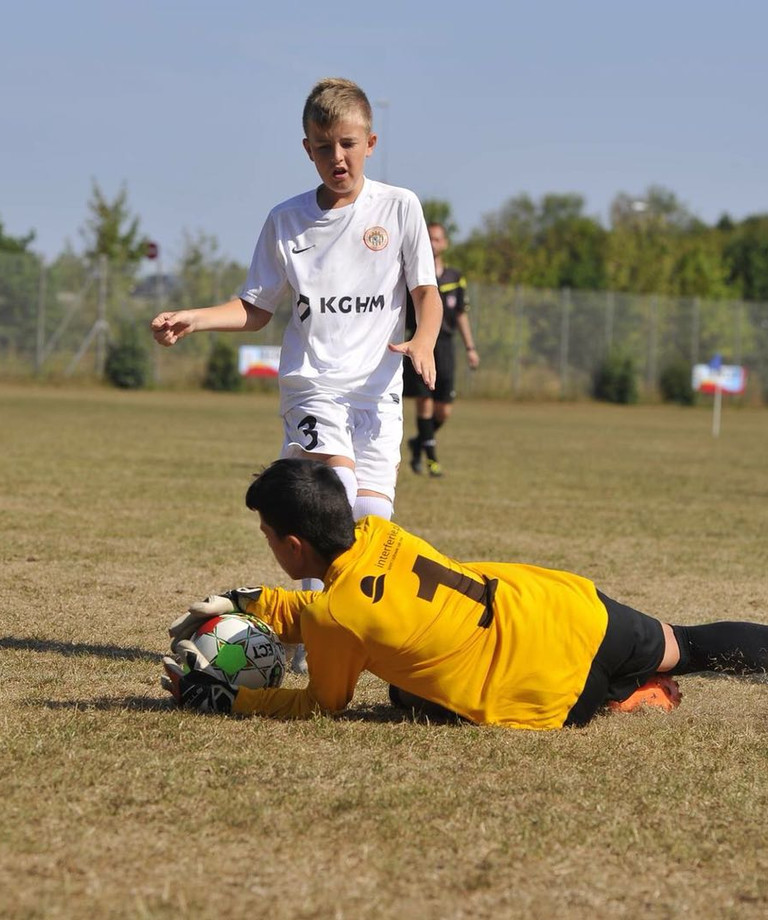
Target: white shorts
(369,437)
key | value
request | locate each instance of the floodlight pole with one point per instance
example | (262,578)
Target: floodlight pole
(102,326)
(40,343)
(160,295)
(99,330)
(384,105)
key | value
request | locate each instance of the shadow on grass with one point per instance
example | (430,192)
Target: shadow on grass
(107,704)
(385,713)
(118,652)
(380,713)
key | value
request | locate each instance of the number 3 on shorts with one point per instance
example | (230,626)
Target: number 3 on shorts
(308,426)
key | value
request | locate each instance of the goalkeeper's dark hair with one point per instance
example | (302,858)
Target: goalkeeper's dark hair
(307,499)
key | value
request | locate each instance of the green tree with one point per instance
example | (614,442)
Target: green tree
(127,363)
(221,372)
(438,211)
(112,230)
(698,268)
(643,245)
(20,275)
(655,203)
(570,246)
(549,244)
(501,251)
(15,244)
(205,276)
(746,257)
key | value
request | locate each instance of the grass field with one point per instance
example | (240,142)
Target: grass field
(118,509)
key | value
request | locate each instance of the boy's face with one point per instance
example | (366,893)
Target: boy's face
(281,549)
(339,152)
(438,240)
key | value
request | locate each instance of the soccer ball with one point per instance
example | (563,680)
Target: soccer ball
(245,650)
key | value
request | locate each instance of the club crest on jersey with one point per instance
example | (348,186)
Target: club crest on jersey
(373,586)
(376,238)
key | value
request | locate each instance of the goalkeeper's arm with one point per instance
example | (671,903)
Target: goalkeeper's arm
(277,607)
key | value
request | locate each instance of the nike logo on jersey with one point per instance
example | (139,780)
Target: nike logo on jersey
(296,251)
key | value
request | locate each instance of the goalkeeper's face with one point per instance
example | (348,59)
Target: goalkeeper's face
(279,546)
(292,554)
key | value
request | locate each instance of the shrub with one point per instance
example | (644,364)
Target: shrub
(221,372)
(615,380)
(675,383)
(127,362)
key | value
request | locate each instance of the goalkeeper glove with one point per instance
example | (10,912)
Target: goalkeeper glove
(197,686)
(215,605)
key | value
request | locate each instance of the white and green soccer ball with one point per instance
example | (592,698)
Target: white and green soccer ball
(245,651)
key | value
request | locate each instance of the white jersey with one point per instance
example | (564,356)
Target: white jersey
(348,268)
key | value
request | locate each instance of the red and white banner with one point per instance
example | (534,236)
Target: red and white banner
(258,360)
(728,378)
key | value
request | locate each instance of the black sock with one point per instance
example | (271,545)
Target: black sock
(727,647)
(426,428)
(438,424)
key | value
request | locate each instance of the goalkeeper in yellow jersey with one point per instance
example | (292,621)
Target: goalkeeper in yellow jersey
(495,643)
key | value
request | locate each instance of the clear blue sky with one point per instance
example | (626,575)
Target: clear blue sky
(196,106)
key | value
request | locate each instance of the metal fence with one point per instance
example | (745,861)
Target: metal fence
(57,321)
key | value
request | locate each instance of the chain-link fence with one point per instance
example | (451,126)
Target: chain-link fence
(56,321)
(538,343)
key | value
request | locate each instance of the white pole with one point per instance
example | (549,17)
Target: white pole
(717,408)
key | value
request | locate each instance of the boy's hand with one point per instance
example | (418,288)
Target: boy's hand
(168,328)
(194,684)
(423,359)
(215,605)
(421,348)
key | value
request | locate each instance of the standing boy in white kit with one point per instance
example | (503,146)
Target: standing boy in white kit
(348,249)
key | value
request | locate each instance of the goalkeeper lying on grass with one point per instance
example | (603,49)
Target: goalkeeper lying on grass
(496,643)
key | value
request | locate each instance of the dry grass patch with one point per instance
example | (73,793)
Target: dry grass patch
(120,508)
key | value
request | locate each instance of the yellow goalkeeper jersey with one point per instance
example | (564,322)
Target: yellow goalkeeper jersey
(498,643)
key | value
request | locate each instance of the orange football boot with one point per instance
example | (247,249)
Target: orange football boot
(660,692)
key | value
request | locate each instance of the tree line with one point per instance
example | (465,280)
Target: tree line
(653,244)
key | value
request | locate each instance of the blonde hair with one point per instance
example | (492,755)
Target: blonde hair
(334,98)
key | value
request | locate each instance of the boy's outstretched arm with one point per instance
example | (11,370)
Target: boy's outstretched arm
(234,316)
(421,348)
(278,607)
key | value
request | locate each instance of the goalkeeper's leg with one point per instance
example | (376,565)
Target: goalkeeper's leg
(727,647)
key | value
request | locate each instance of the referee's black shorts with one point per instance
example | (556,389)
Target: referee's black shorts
(445,381)
(628,656)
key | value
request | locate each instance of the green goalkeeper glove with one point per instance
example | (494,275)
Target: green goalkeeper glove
(196,686)
(215,605)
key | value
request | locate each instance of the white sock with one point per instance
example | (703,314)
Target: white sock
(349,481)
(372,504)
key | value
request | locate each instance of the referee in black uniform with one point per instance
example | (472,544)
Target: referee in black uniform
(433,407)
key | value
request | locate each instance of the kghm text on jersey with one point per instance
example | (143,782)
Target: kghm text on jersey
(345,304)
